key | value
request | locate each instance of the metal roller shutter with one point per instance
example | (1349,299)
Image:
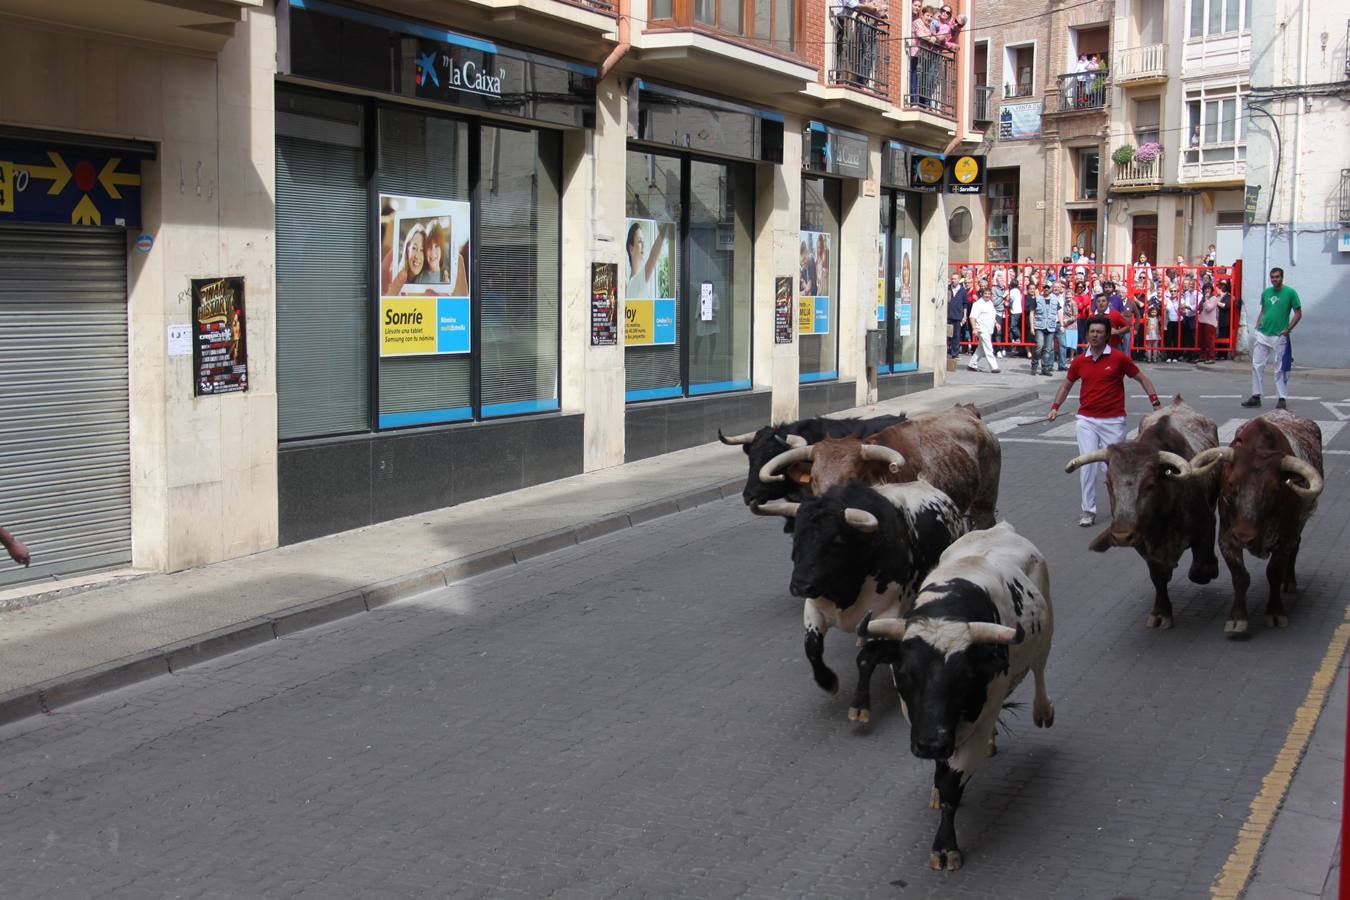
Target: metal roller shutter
(65,471)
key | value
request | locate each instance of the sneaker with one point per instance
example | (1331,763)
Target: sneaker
(999,354)
(1253,400)
(1280,404)
(973,368)
(1087,520)
(1048,374)
(995,371)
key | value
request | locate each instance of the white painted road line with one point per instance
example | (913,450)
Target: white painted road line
(1229,428)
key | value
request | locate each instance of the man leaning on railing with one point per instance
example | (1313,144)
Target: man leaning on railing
(856,44)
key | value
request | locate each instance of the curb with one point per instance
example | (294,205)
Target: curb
(47,696)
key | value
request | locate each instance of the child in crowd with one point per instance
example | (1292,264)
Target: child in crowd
(1153,335)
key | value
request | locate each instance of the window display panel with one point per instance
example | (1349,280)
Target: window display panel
(651,274)
(904,350)
(818,280)
(721,212)
(519,270)
(425,311)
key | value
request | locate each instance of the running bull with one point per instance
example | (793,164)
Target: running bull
(1270,479)
(981,621)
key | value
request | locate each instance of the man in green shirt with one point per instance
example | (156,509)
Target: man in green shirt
(1280,312)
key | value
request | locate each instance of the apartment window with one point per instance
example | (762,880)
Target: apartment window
(772,23)
(1089,163)
(1147,115)
(1216,130)
(1019,66)
(1213,17)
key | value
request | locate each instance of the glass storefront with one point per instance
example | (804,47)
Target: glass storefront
(818,279)
(431,261)
(897,311)
(688,255)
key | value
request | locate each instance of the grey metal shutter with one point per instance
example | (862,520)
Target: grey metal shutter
(65,470)
(323,269)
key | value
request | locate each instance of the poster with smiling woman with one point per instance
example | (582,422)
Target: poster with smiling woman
(424,276)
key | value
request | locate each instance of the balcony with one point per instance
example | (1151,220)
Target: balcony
(982,105)
(931,82)
(1220,164)
(862,54)
(1344,204)
(1139,175)
(1080,92)
(601,6)
(201,25)
(1141,65)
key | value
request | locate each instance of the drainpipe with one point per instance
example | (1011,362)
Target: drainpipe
(621,49)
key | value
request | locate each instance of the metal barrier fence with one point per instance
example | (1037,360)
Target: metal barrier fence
(1175,292)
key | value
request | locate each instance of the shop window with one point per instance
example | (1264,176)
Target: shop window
(1002,237)
(651,273)
(323,268)
(720,258)
(818,279)
(900,240)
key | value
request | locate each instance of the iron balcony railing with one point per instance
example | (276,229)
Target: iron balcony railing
(862,50)
(1078,92)
(982,104)
(931,84)
(1345,197)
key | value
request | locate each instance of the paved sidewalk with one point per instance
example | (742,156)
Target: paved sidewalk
(71,647)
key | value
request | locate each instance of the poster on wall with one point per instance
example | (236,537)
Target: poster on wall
(782,309)
(424,276)
(813,284)
(904,310)
(1018,121)
(219,350)
(604,304)
(881,280)
(649,295)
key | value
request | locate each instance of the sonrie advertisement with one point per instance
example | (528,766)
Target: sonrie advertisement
(424,276)
(219,351)
(649,270)
(813,284)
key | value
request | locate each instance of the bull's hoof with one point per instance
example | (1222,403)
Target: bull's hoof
(948,860)
(935,799)
(1156,621)
(1235,628)
(1204,573)
(859,715)
(1277,621)
(1044,719)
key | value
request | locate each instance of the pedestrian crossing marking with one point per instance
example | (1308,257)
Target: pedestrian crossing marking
(1229,428)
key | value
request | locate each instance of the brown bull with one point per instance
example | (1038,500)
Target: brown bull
(1270,480)
(1158,506)
(951,449)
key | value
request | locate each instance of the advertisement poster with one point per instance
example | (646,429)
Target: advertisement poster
(881,280)
(782,309)
(424,276)
(813,284)
(604,304)
(649,270)
(219,352)
(904,310)
(1017,121)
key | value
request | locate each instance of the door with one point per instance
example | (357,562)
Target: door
(1144,239)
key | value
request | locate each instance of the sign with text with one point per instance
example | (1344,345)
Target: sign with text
(965,175)
(604,305)
(649,297)
(424,326)
(424,276)
(813,284)
(1019,121)
(926,172)
(782,309)
(67,185)
(219,350)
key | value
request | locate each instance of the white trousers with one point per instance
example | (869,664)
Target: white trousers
(1094,434)
(984,346)
(1266,348)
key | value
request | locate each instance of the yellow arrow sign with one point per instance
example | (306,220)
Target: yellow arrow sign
(86,213)
(58,173)
(110,178)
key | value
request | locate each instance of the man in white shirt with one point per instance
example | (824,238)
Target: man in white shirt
(982,318)
(1015,309)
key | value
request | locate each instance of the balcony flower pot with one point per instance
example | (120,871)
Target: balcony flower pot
(1147,154)
(1123,155)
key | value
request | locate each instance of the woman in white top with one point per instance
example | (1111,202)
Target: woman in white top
(642,264)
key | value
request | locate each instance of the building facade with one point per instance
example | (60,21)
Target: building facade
(321,264)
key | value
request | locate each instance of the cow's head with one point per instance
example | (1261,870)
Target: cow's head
(760,447)
(833,461)
(946,663)
(1139,479)
(840,539)
(1260,484)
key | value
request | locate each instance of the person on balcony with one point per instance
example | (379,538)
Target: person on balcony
(958,24)
(856,39)
(922,65)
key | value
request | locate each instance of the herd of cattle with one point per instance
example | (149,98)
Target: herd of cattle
(894,538)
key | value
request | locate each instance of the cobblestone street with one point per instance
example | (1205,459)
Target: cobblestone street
(633,717)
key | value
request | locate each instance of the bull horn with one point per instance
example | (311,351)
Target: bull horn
(1297,467)
(1205,460)
(795,440)
(797,454)
(1179,463)
(989,633)
(736,440)
(882,453)
(861,519)
(1084,459)
(883,628)
(786,508)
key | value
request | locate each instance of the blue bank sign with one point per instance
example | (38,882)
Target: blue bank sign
(68,185)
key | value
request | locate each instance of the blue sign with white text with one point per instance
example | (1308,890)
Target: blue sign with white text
(452,325)
(68,185)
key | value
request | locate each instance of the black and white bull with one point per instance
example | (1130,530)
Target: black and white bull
(859,551)
(981,621)
(1158,505)
(766,443)
(1268,488)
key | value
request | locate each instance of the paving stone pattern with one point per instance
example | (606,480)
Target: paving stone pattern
(633,717)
